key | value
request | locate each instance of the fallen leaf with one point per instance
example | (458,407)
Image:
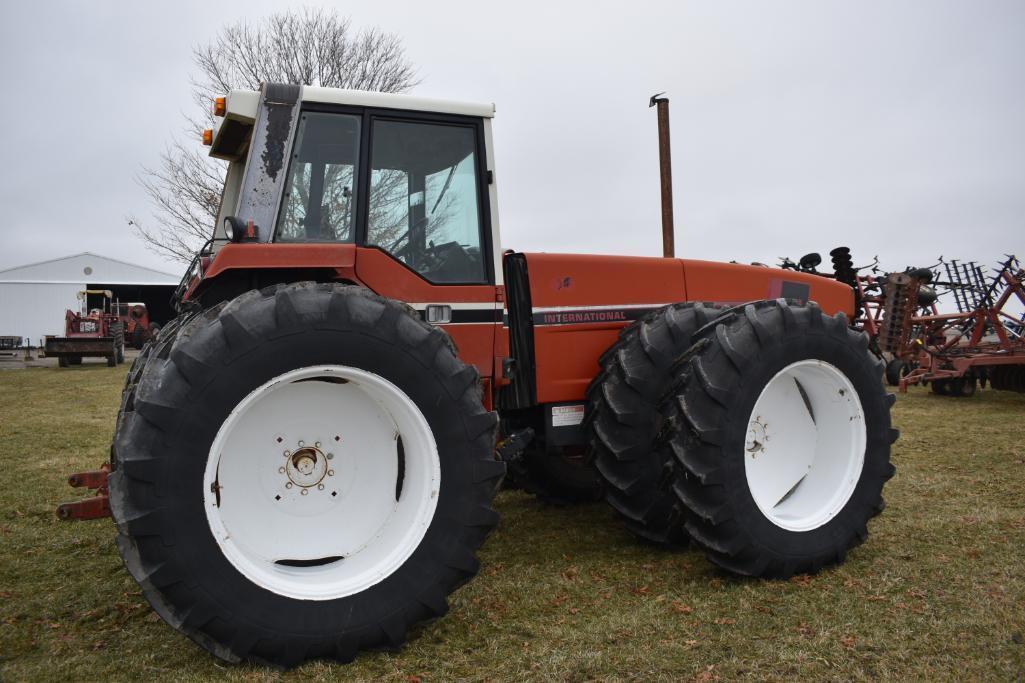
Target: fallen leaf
(806,630)
(682,608)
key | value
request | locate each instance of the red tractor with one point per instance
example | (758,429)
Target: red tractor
(305,459)
(139,329)
(94,332)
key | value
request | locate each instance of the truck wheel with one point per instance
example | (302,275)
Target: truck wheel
(781,430)
(62,361)
(304,472)
(74,360)
(623,418)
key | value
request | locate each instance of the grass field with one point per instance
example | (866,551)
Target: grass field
(937,592)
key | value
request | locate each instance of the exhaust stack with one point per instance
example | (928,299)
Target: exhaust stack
(665,168)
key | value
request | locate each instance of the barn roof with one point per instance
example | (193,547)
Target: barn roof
(87,268)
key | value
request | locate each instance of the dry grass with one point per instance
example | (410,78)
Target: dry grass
(936,593)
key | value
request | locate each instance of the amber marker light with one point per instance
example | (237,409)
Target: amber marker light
(208,137)
(220,106)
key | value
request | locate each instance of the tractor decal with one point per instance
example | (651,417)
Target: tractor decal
(571,315)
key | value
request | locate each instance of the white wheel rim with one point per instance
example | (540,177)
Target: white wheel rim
(805,445)
(322,522)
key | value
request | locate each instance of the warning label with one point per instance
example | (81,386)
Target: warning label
(567,416)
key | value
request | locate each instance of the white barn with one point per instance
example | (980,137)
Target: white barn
(34,297)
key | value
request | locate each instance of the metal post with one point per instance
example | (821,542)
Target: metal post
(665,168)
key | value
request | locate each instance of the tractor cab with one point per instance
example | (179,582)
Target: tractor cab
(403,175)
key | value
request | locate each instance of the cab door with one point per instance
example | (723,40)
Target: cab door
(426,235)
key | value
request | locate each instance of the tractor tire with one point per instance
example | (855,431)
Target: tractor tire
(112,356)
(623,419)
(940,387)
(149,351)
(781,432)
(229,512)
(896,369)
(138,337)
(63,361)
(74,360)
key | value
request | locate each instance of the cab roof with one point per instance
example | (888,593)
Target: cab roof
(242,105)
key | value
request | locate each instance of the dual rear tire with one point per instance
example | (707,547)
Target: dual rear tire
(767,435)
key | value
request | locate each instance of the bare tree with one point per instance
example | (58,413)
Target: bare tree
(308,47)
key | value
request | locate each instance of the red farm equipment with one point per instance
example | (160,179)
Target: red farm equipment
(138,327)
(95,332)
(953,352)
(305,459)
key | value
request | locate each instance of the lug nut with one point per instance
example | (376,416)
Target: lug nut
(301,444)
(330,456)
(317,445)
(330,473)
(304,491)
(320,487)
(288,485)
(281,470)
(288,453)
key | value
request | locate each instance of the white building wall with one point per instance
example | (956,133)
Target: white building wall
(34,310)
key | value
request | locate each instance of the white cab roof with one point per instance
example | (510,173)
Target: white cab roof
(243,104)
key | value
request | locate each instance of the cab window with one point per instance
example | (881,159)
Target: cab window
(320,194)
(424,201)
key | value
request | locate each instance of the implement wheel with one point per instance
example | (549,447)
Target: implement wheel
(896,370)
(781,430)
(303,472)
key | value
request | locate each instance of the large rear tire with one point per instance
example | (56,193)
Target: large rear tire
(781,430)
(303,472)
(623,419)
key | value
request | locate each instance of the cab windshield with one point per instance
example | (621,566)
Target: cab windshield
(320,194)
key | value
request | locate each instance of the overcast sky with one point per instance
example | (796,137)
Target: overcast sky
(897,128)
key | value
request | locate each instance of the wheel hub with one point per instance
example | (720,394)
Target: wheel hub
(306,466)
(757,436)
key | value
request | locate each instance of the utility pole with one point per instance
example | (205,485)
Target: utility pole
(665,168)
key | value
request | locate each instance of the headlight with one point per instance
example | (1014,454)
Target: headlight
(237,230)
(229,227)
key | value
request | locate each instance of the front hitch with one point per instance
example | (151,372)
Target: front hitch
(93,507)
